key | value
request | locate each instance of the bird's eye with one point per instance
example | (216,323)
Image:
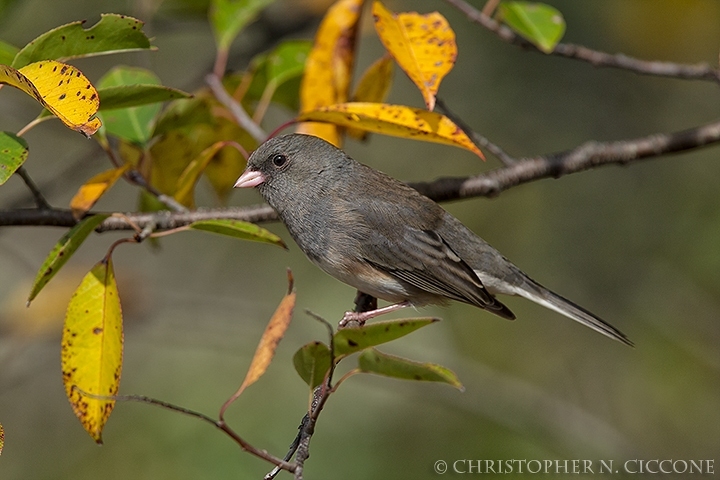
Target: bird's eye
(279,160)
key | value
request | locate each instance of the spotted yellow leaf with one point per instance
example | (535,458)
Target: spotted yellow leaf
(95,188)
(423,45)
(60,88)
(91,349)
(395,120)
(328,70)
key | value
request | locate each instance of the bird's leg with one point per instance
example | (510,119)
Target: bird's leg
(365,302)
(362,317)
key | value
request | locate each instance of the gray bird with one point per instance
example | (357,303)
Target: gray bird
(384,238)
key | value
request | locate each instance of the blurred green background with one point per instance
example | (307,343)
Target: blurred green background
(639,245)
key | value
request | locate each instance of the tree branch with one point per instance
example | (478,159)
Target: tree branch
(586,156)
(699,71)
(479,140)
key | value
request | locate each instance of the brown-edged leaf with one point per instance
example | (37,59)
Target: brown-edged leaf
(395,120)
(265,351)
(423,45)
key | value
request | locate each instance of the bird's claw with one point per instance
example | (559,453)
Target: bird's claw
(352,319)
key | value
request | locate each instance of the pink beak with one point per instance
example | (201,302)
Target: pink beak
(251,178)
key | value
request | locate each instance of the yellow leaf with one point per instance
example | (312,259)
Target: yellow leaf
(265,351)
(229,163)
(191,174)
(169,156)
(395,120)
(60,88)
(2,439)
(373,87)
(328,70)
(95,188)
(92,348)
(423,45)
(223,170)
(374,84)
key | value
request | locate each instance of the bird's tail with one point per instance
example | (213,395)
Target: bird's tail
(537,293)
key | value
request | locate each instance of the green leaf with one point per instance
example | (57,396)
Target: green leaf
(134,123)
(112,34)
(279,73)
(312,363)
(13,153)
(181,114)
(135,95)
(7,53)
(288,60)
(63,250)
(351,340)
(238,229)
(373,361)
(538,23)
(229,17)
(288,94)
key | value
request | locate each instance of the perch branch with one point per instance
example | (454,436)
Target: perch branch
(586,156)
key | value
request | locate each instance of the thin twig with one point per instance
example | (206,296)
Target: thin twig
(115,244)
(221,59)
(217,423)
(489,7)
(133,176)
(237,111)
(479,140)
(363,302)
(699,71)
(40,201)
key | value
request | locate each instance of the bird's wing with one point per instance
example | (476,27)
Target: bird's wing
(424,260)
(402,238)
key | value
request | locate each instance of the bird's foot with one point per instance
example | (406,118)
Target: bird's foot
(352,319)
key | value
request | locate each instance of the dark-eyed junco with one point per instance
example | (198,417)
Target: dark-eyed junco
(384,238)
